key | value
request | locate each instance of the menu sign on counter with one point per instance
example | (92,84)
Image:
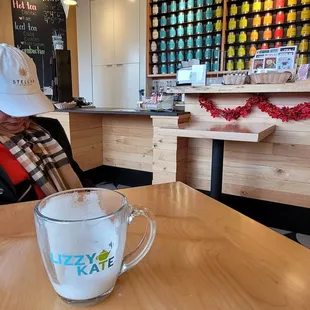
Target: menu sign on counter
(36,23)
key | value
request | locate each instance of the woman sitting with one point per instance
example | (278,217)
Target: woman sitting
(35,155)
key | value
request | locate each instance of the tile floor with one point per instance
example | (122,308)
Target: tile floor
(300,238)
(297,237)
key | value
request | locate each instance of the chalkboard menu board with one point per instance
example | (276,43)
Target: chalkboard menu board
(35,22)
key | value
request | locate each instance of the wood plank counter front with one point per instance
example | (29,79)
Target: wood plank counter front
(205,256)
(112,137)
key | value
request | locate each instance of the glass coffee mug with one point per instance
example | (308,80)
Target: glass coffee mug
(82,237)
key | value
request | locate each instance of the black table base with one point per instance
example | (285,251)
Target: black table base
(217,168)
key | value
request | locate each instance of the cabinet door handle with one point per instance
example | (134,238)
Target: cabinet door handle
(109,65)
(119,65)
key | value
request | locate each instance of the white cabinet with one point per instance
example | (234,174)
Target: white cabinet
(115,31)
(102,32)
(103,86)
(116,57)
(126,31)
(116,86)
(127,92)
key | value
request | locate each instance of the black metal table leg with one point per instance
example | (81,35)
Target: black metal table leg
(217,168)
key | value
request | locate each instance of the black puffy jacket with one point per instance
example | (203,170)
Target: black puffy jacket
(10,193)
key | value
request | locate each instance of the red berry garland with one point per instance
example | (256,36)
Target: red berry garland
(296,113)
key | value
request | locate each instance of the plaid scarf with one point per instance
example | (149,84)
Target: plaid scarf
(43,158)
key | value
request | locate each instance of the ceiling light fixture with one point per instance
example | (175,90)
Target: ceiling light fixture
(70,2)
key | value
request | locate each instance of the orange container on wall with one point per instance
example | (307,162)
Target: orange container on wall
(267,19)
(254,35)
(267,34)
(257,21)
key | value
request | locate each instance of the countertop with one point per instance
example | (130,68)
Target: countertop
(119,111)
(297,87)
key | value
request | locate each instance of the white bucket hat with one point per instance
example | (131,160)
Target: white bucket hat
(20,93)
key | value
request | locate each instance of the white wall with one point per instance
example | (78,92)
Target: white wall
(85,49)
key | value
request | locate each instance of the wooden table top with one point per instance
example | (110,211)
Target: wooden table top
(252,132)
(206,256)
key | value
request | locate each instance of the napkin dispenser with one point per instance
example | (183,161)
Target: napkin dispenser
(184,76)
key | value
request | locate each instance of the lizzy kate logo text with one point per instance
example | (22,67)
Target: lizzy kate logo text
(85,264)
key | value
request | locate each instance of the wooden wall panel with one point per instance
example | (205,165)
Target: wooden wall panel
(6,25)
(169,153)
(86,139)
(72,46)
(128,142)
(277,169)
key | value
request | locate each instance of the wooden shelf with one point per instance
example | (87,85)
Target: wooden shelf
(238,57)
(162,76)
(202,60)
(297,87)
(209,73)
(185,49)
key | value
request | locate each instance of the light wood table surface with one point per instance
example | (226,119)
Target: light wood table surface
(221,131)
(205,256)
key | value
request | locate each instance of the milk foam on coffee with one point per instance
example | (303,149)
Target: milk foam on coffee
(86,256)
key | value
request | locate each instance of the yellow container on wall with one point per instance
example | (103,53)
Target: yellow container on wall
(291,2)
(230,65)
(302,59)
(233,10)
(245,7)
(305,30)
(268,5)
(241,51)
(231,38)
(303,46)
(230,52)
(240,64)
(243,23)
(242,37)
(291,16)
(232,24)
(257,6)
(305,14)
(219,11)
(291,31)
